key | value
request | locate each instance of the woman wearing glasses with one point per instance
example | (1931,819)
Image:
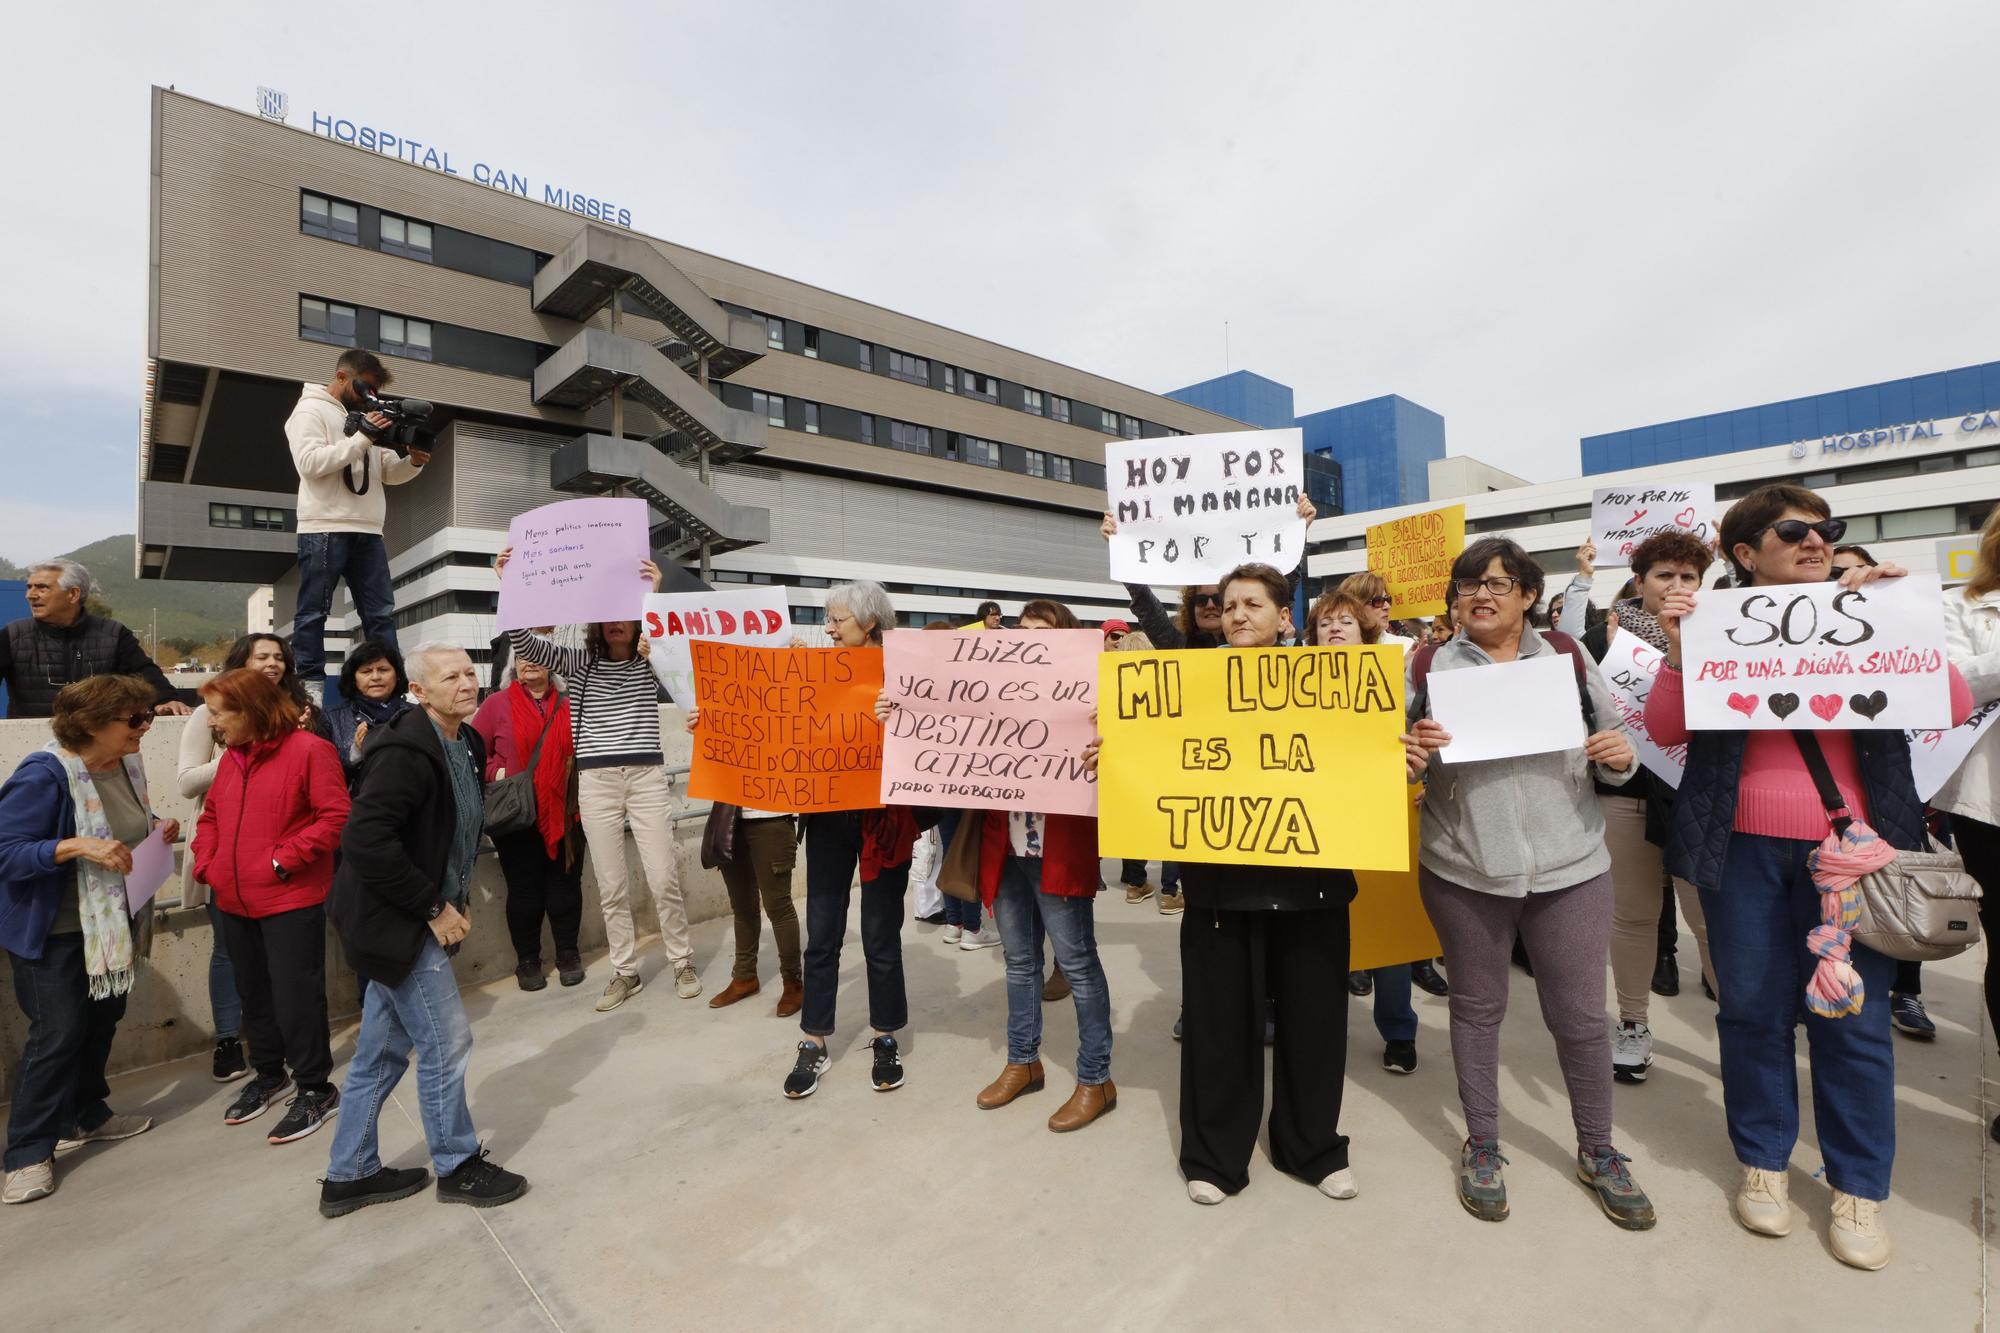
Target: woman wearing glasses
(1746,820)
(1516,847)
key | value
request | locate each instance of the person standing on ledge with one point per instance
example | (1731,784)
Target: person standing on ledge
(60,643)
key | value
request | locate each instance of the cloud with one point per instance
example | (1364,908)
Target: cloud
(30,531)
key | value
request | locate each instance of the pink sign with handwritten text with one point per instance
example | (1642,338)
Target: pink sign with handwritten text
(574,562)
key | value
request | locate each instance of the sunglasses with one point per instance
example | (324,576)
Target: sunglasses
(1792,531)
(1379,603)
(1207,599)
(139,721)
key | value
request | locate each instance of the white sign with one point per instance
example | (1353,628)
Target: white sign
(1630,665)
(1936,755)
(1507,709)
(1815,656)
(1624,516)
(152,863)
(756,616)
(1190,508)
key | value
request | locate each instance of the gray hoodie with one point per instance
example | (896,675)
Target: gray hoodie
(1530,824)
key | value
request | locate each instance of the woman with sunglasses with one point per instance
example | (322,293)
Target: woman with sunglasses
(1747,817)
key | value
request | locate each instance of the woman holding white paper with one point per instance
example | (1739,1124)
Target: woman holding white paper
(1515,846)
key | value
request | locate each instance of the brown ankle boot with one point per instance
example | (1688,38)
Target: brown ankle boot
(1087,1103)
(1056,987)
(734,991)
(791,999)
(1014,1081)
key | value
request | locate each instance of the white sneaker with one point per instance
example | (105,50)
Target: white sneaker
(687,981)
(1859,1238)
(1340,1185)
(36,1181)
(1763,1202)
(1631,1052)
(983,938)
(1203,1192)
(952,934)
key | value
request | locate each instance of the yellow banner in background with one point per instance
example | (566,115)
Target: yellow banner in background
(1387,923)
(1254,756)
(1413,555)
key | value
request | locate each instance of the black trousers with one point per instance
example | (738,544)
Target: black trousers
(538,885)
(833,852)
(1230,963)
(281,978)
(1979,844)
(59,1085)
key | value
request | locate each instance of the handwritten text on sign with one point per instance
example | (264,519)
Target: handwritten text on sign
(1630,666)
(1936,755)
(1820,657)
(1191,508)
(994,719)
(1623,517)
(574,561)
(790,730)
(1413,555)
(1256,756)
(673,619)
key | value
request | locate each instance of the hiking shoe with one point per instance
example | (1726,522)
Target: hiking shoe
(116,1128)
(1606,1172)
(256,1097)
(618,990)
(803,1081)
(1400,1057)
(888,1075)
(1482,1187)
(1763,1202)
(687,981)
(340,1197)
(1360,983)
(953,934)
(1171,904)
(569,967)
(1426,978)
(480,1181)
(229,1063)
(984,938)
(306,1113)
(29,1183)
(1138,893)
(1631,1052)
(1858,1236)
(1667,976)
(528,975)
(1906,1012)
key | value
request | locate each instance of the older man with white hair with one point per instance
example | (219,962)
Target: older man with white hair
(400,906)
(61,642)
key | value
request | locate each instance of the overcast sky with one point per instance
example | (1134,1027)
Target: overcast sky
(1542,220)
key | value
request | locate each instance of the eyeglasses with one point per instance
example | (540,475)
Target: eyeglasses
(1499,585)
(1380,603)
(1792,531)
(1207,598)
(833,621)
(139,721)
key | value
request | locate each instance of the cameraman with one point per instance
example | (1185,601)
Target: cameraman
(341,507)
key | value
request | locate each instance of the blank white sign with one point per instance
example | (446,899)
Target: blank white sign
(1508,709)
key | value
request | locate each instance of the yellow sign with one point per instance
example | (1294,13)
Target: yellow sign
(1254,756)
(1387,922)
(1413,555)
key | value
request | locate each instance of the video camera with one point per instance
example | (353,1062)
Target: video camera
(409,423)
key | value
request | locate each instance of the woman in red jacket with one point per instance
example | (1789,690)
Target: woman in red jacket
(265,845)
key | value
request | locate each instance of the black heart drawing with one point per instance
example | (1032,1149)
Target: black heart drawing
(1869,705)
(1784,705)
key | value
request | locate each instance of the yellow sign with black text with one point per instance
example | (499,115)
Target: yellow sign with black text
(1413,554)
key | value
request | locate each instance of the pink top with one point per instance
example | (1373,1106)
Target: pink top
(1774,794)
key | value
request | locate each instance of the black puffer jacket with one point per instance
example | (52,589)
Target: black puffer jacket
(37,660)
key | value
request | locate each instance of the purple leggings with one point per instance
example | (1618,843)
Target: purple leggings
(1568,937)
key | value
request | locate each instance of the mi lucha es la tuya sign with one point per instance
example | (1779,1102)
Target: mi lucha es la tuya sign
(1190,508)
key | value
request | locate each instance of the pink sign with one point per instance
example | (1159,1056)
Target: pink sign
(990,719)
(575,562)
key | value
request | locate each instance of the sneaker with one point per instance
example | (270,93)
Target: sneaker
(1400,1057)
(1138,893)
(569,967)
(803,1081)
(29,1183)
(1631,1052)
(256,1098)
(1763,1202)
(337,1198)
(113,1129)
(229,1063)
(952,934)
(1858,1236)
(618,990)
(479,1181)
(528,975)
(888,1074)
(1172,904)
(1482,1186)
(1607,1173)
(1906,1012)
(1667,976)
(1340,1185)
(1202,1191)
(984,938)
(687,981)
(1426,978)
(306,1113)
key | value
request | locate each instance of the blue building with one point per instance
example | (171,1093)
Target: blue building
(1843,412)
(1245,395)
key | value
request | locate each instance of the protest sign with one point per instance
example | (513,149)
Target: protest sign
(1530,706)
(1387,923)
(1190,508)
(672,619)
(152,864)
(1622,517)
(1936,755)
(991,719)
(1816,656)
(1630,665)
(1254,756)
(575,561)
(790,730)
(1413,555)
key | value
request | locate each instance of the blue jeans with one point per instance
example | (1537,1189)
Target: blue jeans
(1757,924)
(223,1005)
(1170,877)
(1021,910)
(426,1014)
(958,912)
(1395,1017)
(59,1085)
(325,558)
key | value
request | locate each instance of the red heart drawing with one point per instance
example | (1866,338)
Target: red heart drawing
(1826,705)
(1745,704)
(1686,517)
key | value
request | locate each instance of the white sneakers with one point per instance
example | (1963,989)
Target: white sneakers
(983,938)
(952,934)
(1203,1192)
(30,1183)
(687,981)
(1858,1236)
(1631,1052)
(1763,1202)
(1340,1185)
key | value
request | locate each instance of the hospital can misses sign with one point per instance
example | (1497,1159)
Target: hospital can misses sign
(1867,441)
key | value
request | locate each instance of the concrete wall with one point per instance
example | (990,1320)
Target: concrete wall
(167,1015)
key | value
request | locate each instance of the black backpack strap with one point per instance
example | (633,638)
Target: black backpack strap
(1829,794)
(1564,644)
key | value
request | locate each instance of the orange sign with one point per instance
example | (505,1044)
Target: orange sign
(789,730)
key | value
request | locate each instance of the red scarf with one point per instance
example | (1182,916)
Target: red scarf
(552,769)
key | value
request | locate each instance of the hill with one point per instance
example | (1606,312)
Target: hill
(190,613)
